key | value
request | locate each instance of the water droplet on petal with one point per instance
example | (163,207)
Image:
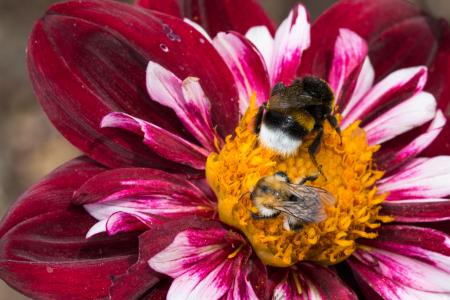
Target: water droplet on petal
(164,47)
(202,40)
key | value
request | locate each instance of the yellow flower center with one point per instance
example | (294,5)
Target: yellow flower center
(234,171)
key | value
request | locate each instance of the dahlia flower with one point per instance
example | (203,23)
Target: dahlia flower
(162,98)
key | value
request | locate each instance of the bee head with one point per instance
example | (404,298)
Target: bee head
(314,87)
(270,186)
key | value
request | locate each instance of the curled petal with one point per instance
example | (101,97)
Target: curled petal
(262,39)
(418,210)
(186,98)
(311,281)
(206,264)
(291,39)
(88,58)
(162,142)
(350,52)
(421,178)
(215,15)
(134,199)
(409,114)
(52,193)
(247,67)
(47,257)
(400,84)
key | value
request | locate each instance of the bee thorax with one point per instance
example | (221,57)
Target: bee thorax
(278,141)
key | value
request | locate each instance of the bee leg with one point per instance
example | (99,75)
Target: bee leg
(314,148)
(334,123)
(259,118)
(309,178)
(292,224)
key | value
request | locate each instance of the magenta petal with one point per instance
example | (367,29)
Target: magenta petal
(47,257)
(52,193)
(247,66)
(418,210)
(162,142)
(419,237)
(88,58)
(382,23)
(215,15)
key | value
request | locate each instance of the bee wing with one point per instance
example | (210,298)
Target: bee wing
(278,102)
(309,206)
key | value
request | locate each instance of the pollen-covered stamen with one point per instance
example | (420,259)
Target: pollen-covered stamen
(350,173)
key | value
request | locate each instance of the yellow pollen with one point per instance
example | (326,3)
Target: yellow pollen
(234,171)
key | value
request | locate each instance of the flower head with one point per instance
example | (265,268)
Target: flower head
(169,108)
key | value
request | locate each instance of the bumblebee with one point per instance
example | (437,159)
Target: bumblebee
(292,113)
(299,204)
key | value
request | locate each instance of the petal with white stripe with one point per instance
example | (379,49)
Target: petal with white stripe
(263,41)
(401,84)
(419,143)
(130,199)
(409,114)
(246,65)
(161,141)
(421,178)
(194,112)
(205,265)
(364,83)
(350,52)
(291,39)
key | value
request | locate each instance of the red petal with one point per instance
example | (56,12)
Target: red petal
(439,85)
(140,278)
(88,58)
(169,7)
(47,257)
(215,15)
(418,210)
(382,23)
(54,192)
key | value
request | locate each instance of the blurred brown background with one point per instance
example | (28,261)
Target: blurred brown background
(30,146)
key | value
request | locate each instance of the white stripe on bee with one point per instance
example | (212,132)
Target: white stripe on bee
(266,212)
(278,141)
